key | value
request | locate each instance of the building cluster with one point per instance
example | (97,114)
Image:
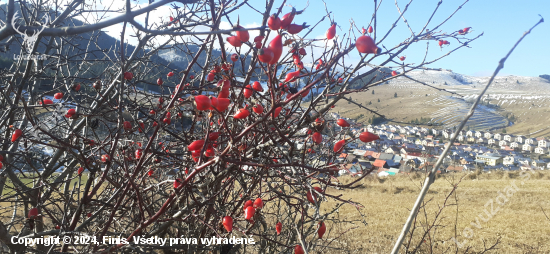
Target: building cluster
(403,149)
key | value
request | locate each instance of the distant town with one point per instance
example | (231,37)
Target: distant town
(404,149)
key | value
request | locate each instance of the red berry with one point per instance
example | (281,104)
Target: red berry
(89,215)
(265,55)
(76,87)
(298,249)
(331,32)
(234,41)
(258,38)
(394,73)
(222,104)
(243,113)
(257,86)
(202,102)
(177,183)
(279,227)
(339,146)
(288,18)
(276,112)
(47,101)
(105,158)
(33,213)
(368,137)
(258,109)
(234,57)
(322,229)
(242,34)
(16,134)
(370,29)
(342,122)
(170,74)
(80,170)
(365,44)
(291,76)
(58,96)
(128,75)
(228,223)
(402,58)
(196,145)
(160,82)
(294,28)
(248,91)
(210,76)
(258,203)
(274,22)
(276,46)
(127,125)
(317,137)
(249,212)
(213,136)
(247,204)
(70,113)
(141,127)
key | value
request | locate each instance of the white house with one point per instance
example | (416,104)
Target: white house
(470,133)
(498,136)
(529,141)
(527,147)
(508,137)
(520,139)
(508,160)
(544,143)
(491,141)
(478,134)
(488,135)
(541,150)
(514,144)
(503,143)
(481,140)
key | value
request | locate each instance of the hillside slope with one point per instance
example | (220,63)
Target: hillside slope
(521,105)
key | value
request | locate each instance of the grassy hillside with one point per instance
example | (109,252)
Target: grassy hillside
(519,223)
(523,101)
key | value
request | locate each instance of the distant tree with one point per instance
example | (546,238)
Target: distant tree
(372,91)
(378,100)
(395,95)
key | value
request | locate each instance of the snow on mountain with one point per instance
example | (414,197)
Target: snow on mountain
(449,78)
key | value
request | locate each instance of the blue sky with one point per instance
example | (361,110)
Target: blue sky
(502,21)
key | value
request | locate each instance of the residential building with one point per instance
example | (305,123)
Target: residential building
(490,160)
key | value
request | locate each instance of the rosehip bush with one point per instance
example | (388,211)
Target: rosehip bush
(240,141)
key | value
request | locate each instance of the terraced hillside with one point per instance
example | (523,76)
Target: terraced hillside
(521,105)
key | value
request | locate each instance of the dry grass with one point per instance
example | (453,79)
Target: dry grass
(415,101)
(519,222)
